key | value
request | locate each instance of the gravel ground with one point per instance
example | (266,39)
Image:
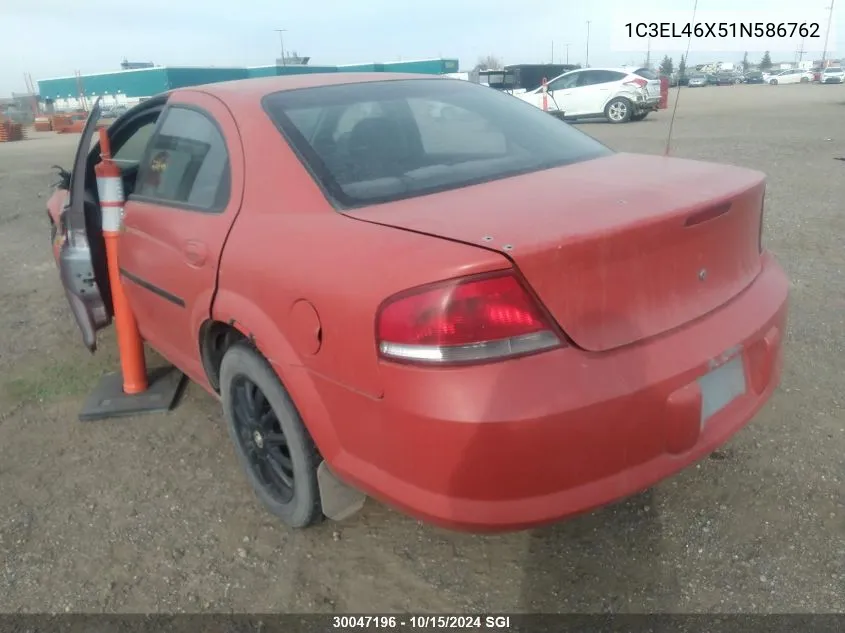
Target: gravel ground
(152,514)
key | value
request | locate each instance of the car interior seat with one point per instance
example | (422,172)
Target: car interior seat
(378,148)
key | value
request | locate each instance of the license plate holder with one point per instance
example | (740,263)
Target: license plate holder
(721,386)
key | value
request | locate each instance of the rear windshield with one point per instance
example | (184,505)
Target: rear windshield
(645,73)
(381,141)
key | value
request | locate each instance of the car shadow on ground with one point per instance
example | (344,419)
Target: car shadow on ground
(607,559)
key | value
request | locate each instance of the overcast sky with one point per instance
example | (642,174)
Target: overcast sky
(50,38)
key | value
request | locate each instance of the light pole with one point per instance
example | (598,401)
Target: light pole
(587,61)
(827,32)
(282,42)
(567,54)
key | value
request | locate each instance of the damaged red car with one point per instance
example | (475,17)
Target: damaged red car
(428,292)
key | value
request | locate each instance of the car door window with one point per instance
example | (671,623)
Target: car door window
(589,78)
(605,76)
(131,151)
(187,163)
(566,82)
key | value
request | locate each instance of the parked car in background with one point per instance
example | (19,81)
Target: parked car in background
(832,76)
(698,81)
(113,112)
(615,93)
(791,76)
(727,79)
(753,77)
(623,321)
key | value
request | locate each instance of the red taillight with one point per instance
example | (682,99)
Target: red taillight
(474,319)
(637,81)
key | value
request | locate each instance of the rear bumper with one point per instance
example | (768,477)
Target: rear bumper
(512,445)
(648,105)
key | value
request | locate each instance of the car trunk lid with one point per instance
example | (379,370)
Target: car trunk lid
(618,249)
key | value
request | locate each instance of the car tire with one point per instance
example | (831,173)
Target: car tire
(804,80)
(272,444)
(619,110)
(773,82)
(639,116)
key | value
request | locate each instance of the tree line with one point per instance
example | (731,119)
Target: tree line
(667,66)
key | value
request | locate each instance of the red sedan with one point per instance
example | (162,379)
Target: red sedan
(454,302)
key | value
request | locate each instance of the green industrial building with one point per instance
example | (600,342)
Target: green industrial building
(127,87)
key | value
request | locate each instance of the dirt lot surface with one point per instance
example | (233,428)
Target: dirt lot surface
(153,514)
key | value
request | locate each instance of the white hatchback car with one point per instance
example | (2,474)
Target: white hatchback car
(793,76)
(615,93)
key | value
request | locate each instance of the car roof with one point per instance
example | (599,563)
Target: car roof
(618,69)
(580,70)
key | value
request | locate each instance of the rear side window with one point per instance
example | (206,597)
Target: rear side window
(387,140)
(131,152)
(187,163)
(592,77)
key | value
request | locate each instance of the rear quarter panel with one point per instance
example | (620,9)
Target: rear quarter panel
(289,245)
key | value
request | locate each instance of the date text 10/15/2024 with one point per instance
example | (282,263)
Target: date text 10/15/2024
(411,622)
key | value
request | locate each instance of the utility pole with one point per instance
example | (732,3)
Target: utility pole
(648,54)
(587,61)
(827,32)
(282,43)
(553,51)
(567,52)
(801,52)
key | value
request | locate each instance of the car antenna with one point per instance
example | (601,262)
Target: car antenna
(678,96)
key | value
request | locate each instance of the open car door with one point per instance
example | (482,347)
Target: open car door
(76,235)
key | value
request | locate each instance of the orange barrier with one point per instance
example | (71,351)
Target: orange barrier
(129,343)
(43,124)
(11,132)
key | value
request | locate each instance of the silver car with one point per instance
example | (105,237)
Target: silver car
(697,81)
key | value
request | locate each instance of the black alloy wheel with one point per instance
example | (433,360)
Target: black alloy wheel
(273,445)
(262,439)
